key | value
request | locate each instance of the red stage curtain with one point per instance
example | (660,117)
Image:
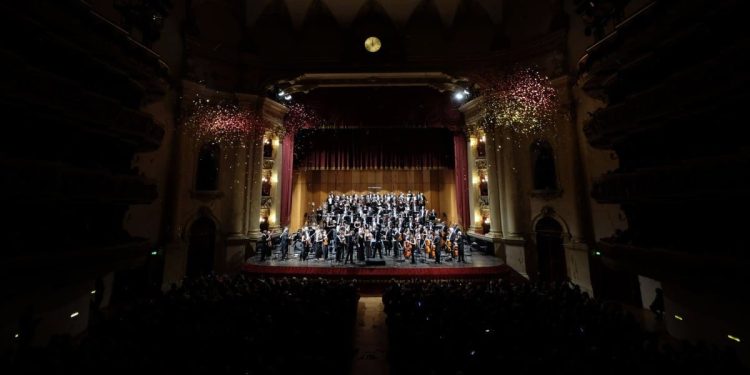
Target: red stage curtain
(374,148)
(462,179)
(287,161)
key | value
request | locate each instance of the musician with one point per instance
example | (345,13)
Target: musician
(388,240)
(340,244)
(418,241)
(439,243)
(375,244)
(349,243)
(409,243)
(318,243)
(368,243)
(284,243)
(306,245)
(360,245)
(262,244)
(331,235)
(460,239)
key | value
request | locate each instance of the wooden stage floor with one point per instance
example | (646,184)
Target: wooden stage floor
(477,266)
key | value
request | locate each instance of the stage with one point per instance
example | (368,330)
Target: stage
(478,266)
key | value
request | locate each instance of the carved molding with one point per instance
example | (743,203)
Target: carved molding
(547,194)
(206,196)
(266,202)
(310,81)
(480,163)
(484,203)
(267,163)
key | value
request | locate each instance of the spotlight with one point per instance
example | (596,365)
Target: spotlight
(73,315)
(93,291)
(459,95)
(734,338)
(281,93)
(288,97)
(466,92)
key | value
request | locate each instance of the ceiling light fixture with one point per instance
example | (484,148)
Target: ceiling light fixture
(372,44)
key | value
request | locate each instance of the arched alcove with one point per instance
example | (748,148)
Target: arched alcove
(201,247)
(550,251)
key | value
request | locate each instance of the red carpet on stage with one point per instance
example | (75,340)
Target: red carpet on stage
(384,273)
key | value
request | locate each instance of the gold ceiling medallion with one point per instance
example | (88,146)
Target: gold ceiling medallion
(372,44)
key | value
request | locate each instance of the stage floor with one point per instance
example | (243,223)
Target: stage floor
(473,259)
(477,266)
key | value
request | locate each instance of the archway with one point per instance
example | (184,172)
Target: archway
(201,247)
(550,251)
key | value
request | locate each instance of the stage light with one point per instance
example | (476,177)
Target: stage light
(16,336)
(154,252)
(678,317)
(459,95)
(288,97)
(281,93)
(73,315)
(93,291)
(734,338)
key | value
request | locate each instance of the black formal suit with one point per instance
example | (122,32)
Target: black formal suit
(349,249)
(438,250)
(284,243)
(460,240)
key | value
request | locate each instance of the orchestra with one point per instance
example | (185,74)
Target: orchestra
(397,225)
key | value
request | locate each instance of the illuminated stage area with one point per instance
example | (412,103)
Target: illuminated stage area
(477,266)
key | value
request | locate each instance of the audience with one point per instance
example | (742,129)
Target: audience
(460,327)
(216,325)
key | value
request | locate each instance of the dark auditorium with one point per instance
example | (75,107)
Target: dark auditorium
(374,187)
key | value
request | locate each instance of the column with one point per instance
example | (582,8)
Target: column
(236,241)
(515,243)
(254,182)
(493,188)
(274,217)
(473,113)
(475,215)
(571,163)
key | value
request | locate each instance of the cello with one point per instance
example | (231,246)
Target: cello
(429,248)
(407,248)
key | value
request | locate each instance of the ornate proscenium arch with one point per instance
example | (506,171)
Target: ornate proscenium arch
(311,81)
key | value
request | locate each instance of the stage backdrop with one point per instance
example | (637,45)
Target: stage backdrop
(313,186)
(373,148)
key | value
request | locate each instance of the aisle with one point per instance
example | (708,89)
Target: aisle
(370,338)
